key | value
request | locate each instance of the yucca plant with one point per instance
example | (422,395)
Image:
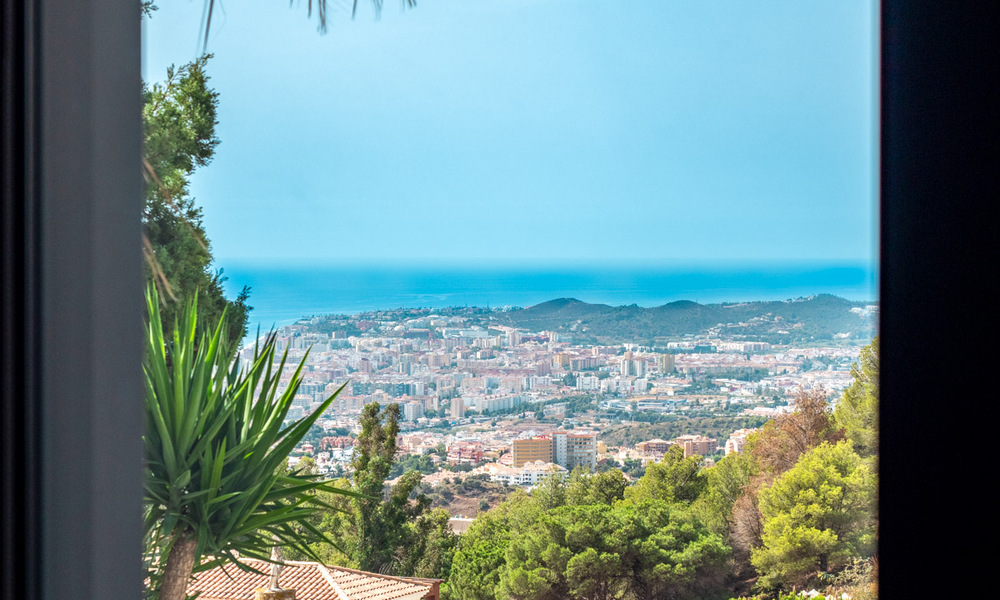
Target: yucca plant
(216,483)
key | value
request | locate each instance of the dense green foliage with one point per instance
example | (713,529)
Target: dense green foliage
(214,447)
(857,411)
(590,538)
(583,489)
(179,119)
(380,538)
(817,515)
(648,550)
(673,479)
(413,462)
(383,529)
(724,484)
(803,320)
(795,508)
(476,570)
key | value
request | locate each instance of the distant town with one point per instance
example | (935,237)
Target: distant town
(513,406)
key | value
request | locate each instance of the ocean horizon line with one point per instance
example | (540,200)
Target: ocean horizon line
(281,296)
(537,263)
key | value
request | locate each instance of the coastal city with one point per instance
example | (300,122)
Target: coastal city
(516,406)
(479,301)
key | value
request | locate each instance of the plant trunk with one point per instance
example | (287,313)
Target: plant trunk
(180,564)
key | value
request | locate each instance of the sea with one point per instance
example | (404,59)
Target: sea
(281,294)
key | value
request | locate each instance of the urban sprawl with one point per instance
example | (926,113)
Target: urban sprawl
(499,401)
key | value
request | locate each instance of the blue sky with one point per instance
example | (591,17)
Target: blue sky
(655,131)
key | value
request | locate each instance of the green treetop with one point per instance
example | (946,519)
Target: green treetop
(179,119)
(602,488)
(817,516)
(674,479)
(481,555)
(602,552)
(726,482)
(857,410)
(381,539)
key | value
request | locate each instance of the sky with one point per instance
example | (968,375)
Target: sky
(652,131)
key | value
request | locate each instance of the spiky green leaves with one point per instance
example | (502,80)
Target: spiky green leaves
(215,445)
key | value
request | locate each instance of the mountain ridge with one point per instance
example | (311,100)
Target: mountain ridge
(819,317)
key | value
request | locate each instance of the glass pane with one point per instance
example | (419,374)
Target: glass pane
(556,236)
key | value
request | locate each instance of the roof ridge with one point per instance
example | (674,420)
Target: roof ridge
(404,579)
(325,571)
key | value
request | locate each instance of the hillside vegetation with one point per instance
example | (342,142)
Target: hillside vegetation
(816,318)
(796,509)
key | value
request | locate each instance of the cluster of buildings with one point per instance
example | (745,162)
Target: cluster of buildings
(567,450)
(695,444)
(443,367)
(445,370)
(528,474)
(521,457)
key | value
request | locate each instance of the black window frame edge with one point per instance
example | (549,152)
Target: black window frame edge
(70,487)
(938,173)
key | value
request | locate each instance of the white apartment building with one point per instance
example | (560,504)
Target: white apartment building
(588,383)
(531,473)
(737,440)
(413,410)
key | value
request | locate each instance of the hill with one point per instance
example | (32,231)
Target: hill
(816,318)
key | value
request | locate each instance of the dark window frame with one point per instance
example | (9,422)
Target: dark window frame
(71,487)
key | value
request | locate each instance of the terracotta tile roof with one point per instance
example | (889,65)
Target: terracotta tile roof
(311,581)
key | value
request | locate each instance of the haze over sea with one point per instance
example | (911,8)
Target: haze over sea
(281,293)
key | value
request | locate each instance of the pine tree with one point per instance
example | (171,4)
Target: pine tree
(381,538)
(179,119)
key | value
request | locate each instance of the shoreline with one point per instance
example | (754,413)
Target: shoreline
(281,295)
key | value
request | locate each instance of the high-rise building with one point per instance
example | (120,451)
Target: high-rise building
(413,411)
(559,447)
(457,407)
(495,403)
(562,448)
(630,365)
(533,449)
(581,451)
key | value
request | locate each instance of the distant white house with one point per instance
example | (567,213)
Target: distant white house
(531,473)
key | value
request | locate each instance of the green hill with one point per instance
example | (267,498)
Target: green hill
(814,319)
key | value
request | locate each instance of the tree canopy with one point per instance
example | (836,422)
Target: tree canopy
(179,119)
(587,538)
(379,540)
(817,515)
(674,479)
(857,411)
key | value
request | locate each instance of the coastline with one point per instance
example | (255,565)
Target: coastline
(282,294)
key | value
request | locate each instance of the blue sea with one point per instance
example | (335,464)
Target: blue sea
(284,293)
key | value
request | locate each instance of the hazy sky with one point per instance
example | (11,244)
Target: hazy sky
(658,131)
